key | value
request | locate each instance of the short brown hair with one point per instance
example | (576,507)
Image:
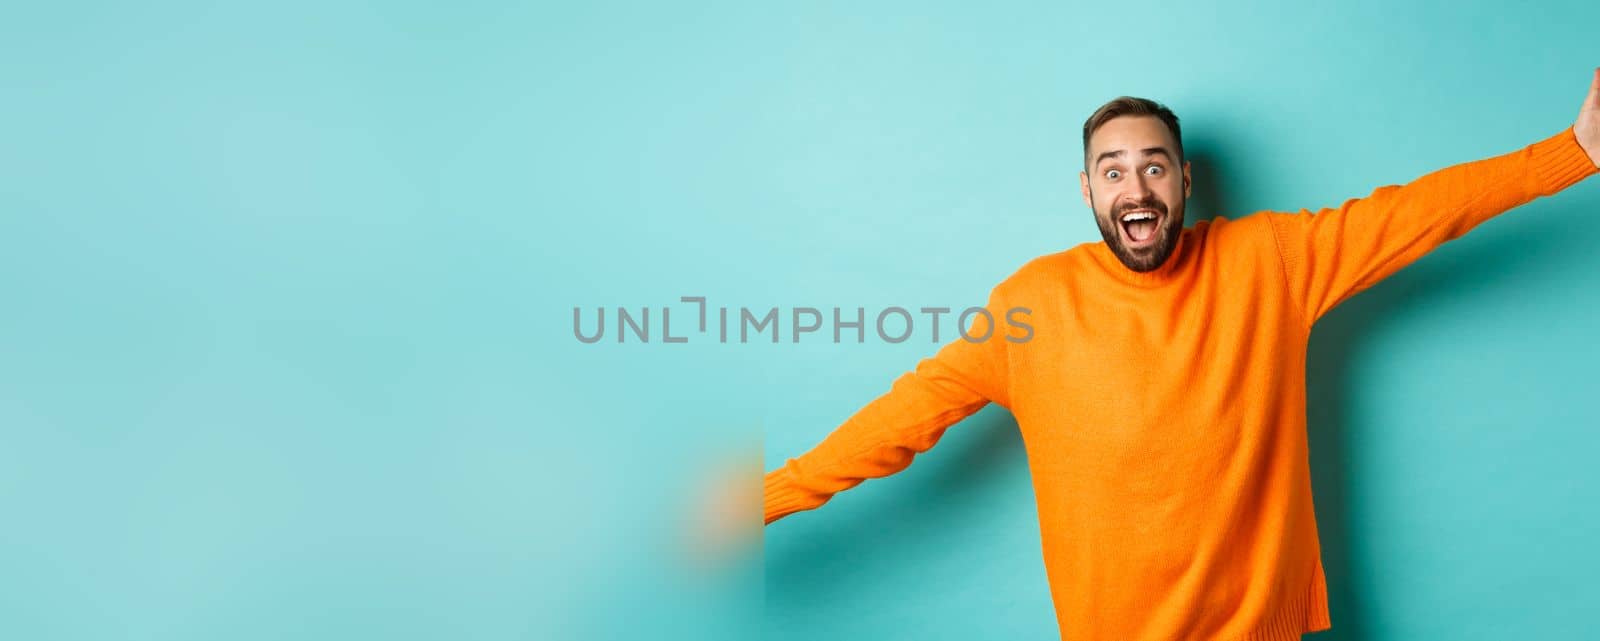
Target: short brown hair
(1130,106)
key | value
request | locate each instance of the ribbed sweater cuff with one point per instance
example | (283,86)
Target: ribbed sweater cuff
(782,498)
(1559,162)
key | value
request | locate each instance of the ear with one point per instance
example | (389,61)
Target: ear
(1083,185)
(1188,181)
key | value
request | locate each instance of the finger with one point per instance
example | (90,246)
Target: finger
(1594,90)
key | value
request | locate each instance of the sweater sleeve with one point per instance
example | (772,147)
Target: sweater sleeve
(882,437)
(1335,253)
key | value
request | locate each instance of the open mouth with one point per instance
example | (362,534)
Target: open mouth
(1139,226)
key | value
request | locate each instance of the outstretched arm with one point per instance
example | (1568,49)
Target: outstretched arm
(883,437)
(1335,253)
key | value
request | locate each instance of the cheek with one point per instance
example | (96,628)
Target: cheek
(1105,194)
(1173,191)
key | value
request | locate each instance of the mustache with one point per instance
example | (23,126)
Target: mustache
(1150,202)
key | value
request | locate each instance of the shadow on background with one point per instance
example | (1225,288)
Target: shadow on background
(1516,246)
(969,464)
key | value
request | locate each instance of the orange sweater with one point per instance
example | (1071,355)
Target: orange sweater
(1164,413)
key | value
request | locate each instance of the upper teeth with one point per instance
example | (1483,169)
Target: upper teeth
(1138,215)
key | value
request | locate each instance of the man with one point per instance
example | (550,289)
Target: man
(1161,398)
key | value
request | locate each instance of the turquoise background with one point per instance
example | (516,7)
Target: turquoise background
(287,352)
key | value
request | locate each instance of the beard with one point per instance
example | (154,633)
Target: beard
(1148,258)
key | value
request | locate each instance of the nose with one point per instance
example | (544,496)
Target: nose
(1140,189)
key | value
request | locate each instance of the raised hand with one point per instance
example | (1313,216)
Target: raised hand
(1587,128)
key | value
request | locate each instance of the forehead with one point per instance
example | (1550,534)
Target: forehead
(1128,133)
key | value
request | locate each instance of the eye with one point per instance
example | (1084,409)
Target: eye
(1113,174)
(1153,170)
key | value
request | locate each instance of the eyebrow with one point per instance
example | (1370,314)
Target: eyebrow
(1148,151)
